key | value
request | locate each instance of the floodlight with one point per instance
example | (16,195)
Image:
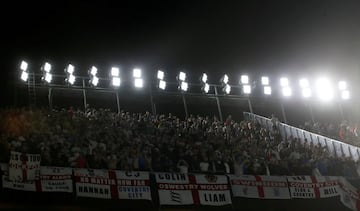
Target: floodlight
(93,71)
(24,66)
(227,89)
(162,84)
(247,89)
(264,80)
(244,79)
(116,81)
(137,73)
(284,82)
(138,82)
(70,69)
(287,91)
(225,79)
(304,83)
(71,79)
(48,77)
(47,67)
(306,92)
(115,72)
(267,90)
(345,95)
(184,86)
(95,81)
(206,88)
(342,85)
(182,76)
(204,78)
(24,76)
(324,89)
(160,75)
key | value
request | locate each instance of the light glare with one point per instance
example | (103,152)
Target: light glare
(24,76)
(306,92)
(225,79)
(206,88)
(160,75)
(287,91)
(70,69)
(47,67)
(267,90)
(304,83)
(227,89)
(324,89)
(72,79)
(95,81)
(345,95)
(48,77)
(162,84)
(182,76)
(116,81)
(342,85)
(247,89)
(93,71)
(204,78)
(284,82)
(184,86)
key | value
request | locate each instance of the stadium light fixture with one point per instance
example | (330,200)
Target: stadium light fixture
(244,79)
(24,76)
(160,75)
(47,67)
(206,88)
(227,89)
(304,83)
(284,82)
(184,86)
(48,77)
(162,84)
(265,80)
(287,91)
(93,71)
(71,79)
(204,78)
(115,72)
(138,82)
(116,81)
(267,90)
(95,81)
(342,85)
(345,95)
(247,89)
(324,89)
(306,92)
(225,79)
(182,76)
(137,73)
(70,69)
(23,66)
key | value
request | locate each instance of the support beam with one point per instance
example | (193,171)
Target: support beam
(185,106)
(218,104)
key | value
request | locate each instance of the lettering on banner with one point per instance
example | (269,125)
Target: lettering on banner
(95,190)
(214,197)
(175,196)
(132,174)
(172,176)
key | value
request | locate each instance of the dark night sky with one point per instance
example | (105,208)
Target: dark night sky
(220,37)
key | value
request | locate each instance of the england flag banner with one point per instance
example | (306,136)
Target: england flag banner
(175,189)
(261,187)
(312,187)
(212,190)
(56,179)
(29,185)
(96,183)
(133,185)
(24,167)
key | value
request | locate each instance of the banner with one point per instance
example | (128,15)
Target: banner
(263,187)
(30,185)
(96,183)
(24,167)
(311,187)
(56,179)
(183,189)
(213,189)
(349,195)
(133,185)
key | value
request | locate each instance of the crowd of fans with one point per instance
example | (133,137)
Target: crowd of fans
(101,139)
(344,131)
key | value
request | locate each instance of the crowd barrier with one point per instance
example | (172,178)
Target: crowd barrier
(335,147)
(174,189)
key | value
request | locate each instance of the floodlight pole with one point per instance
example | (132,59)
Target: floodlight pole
(84,94)
(218,104)
(117,101)
(341,111)
(311,113)
(153,109)
(50,98)
(185,106)
(250,106)
(283,112)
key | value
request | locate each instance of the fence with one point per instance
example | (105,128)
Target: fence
(335,147)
